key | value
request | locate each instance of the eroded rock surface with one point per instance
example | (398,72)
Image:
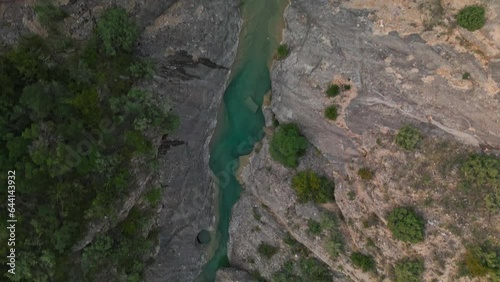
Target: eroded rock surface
(400,71)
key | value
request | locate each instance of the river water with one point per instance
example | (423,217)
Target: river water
(240,119)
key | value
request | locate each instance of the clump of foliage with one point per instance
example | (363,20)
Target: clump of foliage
(154,196)
(408,270)
(48,14)
(288,145)
(117,31)
(74,125)
(465,75)
(471,17)
(482,260)
(306,269)
(408,137)
(331,112)
(296,247)
(346,87)
(335,242)
(267,250)
(313,227)
(333,90)
(365,262)
(310,186)
(483,172)
(406,225)
(365,173)
(282,51)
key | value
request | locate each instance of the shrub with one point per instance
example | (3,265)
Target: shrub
(409,270)
(288,145)
(282,52)
(408,137)
(312,187)
(117,31)
(49,14)
(313,227)
(267,250)
(333,90)
(313,269)
(346,87)
(471,17)
(481,170)
(365,262)
(483,259)
(365,173)
(406,225)
(331,113)
(466,75)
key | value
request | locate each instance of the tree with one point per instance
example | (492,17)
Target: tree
(406,225)
(288,145)
(310,186)
(117,31)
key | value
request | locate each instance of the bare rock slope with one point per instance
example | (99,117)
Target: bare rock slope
(402,71)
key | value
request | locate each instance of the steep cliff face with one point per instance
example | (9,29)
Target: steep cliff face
(406,71)
(193,45)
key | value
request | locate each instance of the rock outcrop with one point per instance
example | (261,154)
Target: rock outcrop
(396,77)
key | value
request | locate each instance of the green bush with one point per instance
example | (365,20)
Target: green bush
(465,75)
(313,227)
(282,52)
(48,14)
(365,173)
(409,270)
(481,170)
(313,269)
(471,17)
(333,90)
(267,250)
(406,225)
(483,259)
(365,262)
(117,31)
(288,145)
(346,87)
(310,186)
(408,137)
(331,113)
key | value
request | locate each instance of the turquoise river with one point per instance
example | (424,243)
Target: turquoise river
(240,119)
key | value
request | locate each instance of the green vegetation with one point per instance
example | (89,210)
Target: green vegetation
(471,17)
(335,241)
(482,172)
(116,31)
(288,145)
(267,250)
(296,247)
(49,15)
(282,52)
(408,137)
(482,260)
(346,87)
(333,90)
(310,186)
(154,196)
(409,270)
(406,225)
(351,195)
(365,173)
(305,269)
(365,262)
(331,112)
(313,227)
(466,75)
(78,136)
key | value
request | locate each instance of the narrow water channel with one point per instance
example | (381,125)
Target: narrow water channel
(240,120)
